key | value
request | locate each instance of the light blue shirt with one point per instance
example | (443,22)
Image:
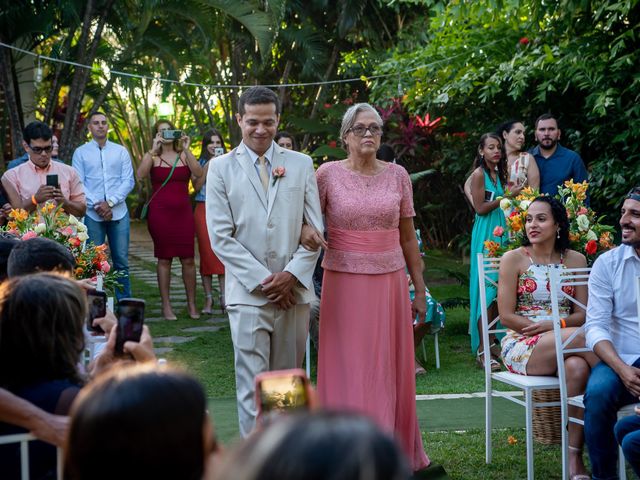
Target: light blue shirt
(612,310)
(107,175)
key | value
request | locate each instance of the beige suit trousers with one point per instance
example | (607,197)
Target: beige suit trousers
(264,338)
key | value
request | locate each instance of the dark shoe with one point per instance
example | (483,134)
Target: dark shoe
(432,472)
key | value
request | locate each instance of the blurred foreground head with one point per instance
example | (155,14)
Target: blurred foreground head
(39,255)
(318,446)
(139,422)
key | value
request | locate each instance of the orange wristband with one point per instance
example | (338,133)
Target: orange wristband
(563,323)
(33,200)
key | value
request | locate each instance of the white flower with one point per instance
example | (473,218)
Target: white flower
(40,228)
(591,235)
(505,204)
(524,204)
(82,236)
(81,227)
(583,223)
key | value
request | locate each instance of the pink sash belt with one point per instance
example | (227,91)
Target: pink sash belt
(364,241)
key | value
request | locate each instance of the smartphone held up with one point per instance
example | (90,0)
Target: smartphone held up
(130,322)
(97,308)
(171,134)
(282,391)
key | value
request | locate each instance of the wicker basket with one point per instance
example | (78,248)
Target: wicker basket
(547,420)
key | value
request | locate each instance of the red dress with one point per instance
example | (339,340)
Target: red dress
(170,219)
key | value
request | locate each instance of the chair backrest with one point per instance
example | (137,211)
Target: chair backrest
(23,439)
(488,268)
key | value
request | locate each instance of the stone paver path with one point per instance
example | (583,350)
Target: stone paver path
(142,266)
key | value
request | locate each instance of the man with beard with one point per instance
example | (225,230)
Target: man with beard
(555,162)
(612,332)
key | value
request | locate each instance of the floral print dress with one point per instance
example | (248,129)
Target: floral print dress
(534,303)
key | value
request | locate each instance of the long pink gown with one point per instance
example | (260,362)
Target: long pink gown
(365,362)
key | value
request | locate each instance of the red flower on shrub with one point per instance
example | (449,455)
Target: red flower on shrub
(333,144)
(327,105)
(524,41)
(591,247)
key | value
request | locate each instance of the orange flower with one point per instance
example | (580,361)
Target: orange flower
(19,214)
(605,240)
(574,237)
(515,222)
(79,271)
(491,247)
(512,440)
(579,189)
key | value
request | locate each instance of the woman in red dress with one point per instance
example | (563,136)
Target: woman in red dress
(170,220)
(212,146)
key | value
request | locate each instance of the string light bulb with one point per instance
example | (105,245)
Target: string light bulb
(38,72)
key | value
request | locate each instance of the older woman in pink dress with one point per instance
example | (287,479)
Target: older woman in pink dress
(366,352)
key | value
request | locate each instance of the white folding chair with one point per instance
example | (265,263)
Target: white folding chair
(574,277)
(487,273)
(23,439)
(558,278)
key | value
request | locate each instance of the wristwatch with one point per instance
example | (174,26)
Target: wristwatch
(110,203)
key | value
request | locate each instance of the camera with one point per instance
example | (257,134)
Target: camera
(171,134)
(217,151)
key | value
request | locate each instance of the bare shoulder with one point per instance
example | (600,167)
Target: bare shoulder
(573,259)
(515,259)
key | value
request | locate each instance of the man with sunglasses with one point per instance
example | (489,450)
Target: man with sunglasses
(40,180)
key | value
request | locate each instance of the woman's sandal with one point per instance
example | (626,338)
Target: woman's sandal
(578,476)
(495,365)
(420,370)
(208,311)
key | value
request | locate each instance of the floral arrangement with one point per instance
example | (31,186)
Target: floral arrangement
(49,221)
(586,234)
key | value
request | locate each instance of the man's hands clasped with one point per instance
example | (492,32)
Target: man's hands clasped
(278,288)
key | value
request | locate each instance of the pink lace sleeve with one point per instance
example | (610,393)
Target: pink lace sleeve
(406,203)
(321,178)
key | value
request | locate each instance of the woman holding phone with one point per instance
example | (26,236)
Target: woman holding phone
(212,146)
(170,165)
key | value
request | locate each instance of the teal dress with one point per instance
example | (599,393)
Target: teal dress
(483,226)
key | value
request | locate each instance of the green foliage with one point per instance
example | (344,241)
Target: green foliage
(487,61)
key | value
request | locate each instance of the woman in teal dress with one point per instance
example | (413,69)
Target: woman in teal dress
(487,182)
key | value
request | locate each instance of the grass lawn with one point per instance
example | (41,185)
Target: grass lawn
(453,429)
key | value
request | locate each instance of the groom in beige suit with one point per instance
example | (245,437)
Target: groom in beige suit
(257,198)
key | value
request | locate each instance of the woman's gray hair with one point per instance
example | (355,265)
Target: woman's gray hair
(350,115)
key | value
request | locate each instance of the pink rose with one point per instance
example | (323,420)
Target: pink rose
(278,173)
(67,231)
(498,231)
(105,267)
(75,242)
(582,211)
(29,235)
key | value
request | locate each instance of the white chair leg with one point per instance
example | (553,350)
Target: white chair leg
(529,432)
(437,347)
(487,420)
(622,467)
(308,357)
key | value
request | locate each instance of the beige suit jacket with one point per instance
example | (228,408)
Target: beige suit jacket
(256,234)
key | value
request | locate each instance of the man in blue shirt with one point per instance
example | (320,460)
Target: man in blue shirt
(556,163)
(107,174)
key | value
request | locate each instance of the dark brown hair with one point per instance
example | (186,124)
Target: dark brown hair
(41,338)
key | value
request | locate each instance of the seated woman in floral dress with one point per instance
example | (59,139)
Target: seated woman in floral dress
(524,303)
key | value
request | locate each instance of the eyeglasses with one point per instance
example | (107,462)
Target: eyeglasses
(361,131)
(39,150)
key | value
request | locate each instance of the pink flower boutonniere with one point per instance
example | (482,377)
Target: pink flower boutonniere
(278,173)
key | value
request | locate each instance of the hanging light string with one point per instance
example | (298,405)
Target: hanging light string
(362,78)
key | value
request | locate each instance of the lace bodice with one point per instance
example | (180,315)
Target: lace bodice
(351,201)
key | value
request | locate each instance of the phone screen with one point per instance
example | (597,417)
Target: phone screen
(286,392)
(97,307)
(52,180)
(130,321)
(218,151)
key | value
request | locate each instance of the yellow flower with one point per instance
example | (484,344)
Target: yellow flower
(579,189)
(574,237)
(512,440)
(19,214)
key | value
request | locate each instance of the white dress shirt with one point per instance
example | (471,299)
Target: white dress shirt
(612,310)
(107,175)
